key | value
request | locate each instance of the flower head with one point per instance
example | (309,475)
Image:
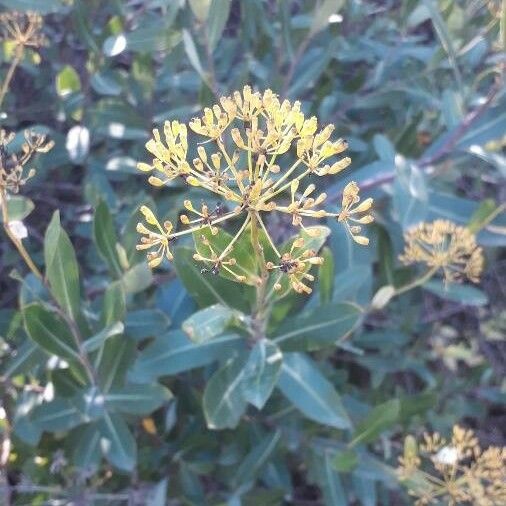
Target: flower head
(295,265)
(458,471)
(12,164)
(23,29)
(155,238)
(253,153)
(355,214)
(445,246)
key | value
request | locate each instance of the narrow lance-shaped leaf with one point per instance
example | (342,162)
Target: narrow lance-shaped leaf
(216,21)
(117,443)
(380,418)
(50,332)
(223,401)
(208,323)
(317,328)
(106,239)
(261,372)
(308,390)
(208,289)
(173,353)
(56,415)
(256,459)
(137,399)
(61,268)
(94,342)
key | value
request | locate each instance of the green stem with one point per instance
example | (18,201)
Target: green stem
(260,313)
(10,73)
(416,282)
(17,242)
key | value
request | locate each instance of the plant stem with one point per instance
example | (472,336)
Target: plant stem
(17,242)
(10,73)
(416,282)
(260,313)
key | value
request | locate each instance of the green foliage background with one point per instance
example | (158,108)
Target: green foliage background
(136,412)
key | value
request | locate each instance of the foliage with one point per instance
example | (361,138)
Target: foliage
(181,385)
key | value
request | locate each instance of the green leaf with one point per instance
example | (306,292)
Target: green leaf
(98,340)
(329,480)
(18,207)
(219,13)
(410,200)
(208,323)
(138,278)
(193,56)
(207,289)
(223,401)
(418,404)
(245,262)
(255,461)
(261,372)
(106,239)
(308,390)
(67,81)
(61,268)
(379,419)
(482,215)
(26,358)
(85,444)
(445,38)
(464,294)
(34,5)
(318,328)
(344,461)
(50,332)
(113,304)
(117,443)
(200,9)
(146,323)
(113,360)
(137,399)
(174,353)
(326,276)
(322,13)
(57,415)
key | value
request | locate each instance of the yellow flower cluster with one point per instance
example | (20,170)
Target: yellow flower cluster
(444,246)
(255,149)
(296,264)
(456,471)
(22,29)
(12,165)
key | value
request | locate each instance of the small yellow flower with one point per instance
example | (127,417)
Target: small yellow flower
(157,236)
(353,214)
(445,246)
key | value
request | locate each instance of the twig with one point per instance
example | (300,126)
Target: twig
(447,147)
(10,73)
(464,126)
(293,65)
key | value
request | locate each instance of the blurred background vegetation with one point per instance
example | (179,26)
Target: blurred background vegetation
(417,89)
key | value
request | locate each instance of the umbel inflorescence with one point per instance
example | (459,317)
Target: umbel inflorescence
(443,245)
(456,471)
(12,163)
(22,29)
(257,155)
